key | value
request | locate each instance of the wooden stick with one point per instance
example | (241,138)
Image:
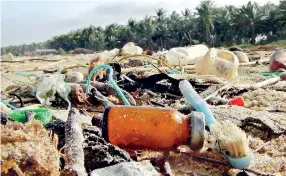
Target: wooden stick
(167,166)
(24,100)
(227,164)
(260,84)
(189,67)
(73,141)
(262,61)
(263,145)
(191,76)
(141,70)
(46,60)
(75,66)
(13,61)
(258,172)
(146,56)
(226,86)
(50,65)
(18,170)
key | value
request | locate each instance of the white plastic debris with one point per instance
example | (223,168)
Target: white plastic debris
(131,48)
(186,55)
(49,86)
(108,56)
(7,57)
(74,76)
(222,63)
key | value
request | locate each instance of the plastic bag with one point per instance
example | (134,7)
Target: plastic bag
(51,85)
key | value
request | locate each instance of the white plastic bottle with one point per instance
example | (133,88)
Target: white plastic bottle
(185,55)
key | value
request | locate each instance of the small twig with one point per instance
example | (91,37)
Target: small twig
(275,110)
(258,172)
(18,171)
(226,86)
(151,93)
(50,65)
(158,104)
(13,61)
(156,67)
(47,60)
(260,147)
(127,78)
(254,62)
(202,158)
(173,96)
(167,166)
(227,164)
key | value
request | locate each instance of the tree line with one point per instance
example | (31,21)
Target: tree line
(207,23)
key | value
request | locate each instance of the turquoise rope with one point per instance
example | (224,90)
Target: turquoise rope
(27,74)
(113,84)
(175,71)
(7,104)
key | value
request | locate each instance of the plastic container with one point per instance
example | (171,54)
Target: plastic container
(221,63)
(42,114)
(185,55)
(277,61)
(153,128)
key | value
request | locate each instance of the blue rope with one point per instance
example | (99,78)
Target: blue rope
(111,80)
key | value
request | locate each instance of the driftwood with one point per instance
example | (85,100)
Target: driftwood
(74,146)
(262,61)
(24,100)
(102,99)
(260,84)
(47,60)
(142,70)
(50,65)
(71,67)
(104,87)
(226,86)
(13,61)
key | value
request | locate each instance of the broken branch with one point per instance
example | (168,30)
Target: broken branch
(73,141)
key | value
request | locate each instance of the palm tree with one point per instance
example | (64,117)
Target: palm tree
(160,14)
(186,13)
(248,18)
(206,15)
(132,29)
(282,12)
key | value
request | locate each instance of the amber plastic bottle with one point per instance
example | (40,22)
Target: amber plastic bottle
(145,127)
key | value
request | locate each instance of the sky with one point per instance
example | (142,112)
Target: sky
(25,21)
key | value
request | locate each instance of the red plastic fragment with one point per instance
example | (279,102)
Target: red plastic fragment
(238,101)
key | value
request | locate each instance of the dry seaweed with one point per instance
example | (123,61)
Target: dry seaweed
(28,148)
